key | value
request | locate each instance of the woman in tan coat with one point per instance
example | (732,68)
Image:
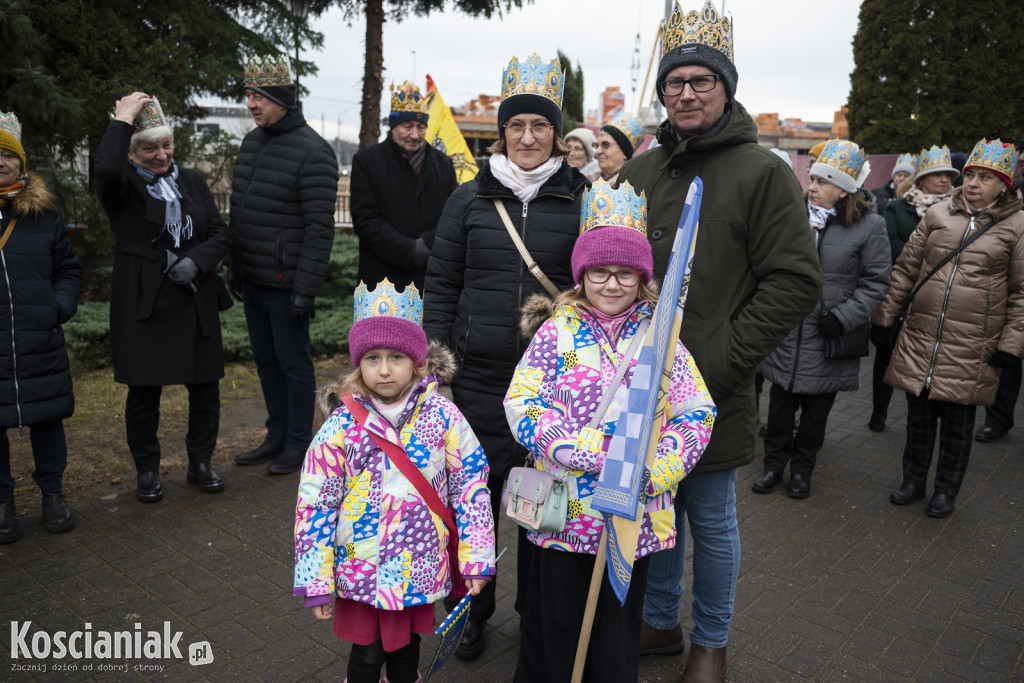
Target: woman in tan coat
(964,323)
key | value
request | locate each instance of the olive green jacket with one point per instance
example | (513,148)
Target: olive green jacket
(755,272)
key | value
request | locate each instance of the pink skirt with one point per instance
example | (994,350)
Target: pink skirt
(364,624)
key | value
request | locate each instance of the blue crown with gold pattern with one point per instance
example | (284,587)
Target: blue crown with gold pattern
(604,206)
(533,77)
(407,98)
(935,160)
(385,302)
(630,127)
(908,159)
(706,27)
(995,155)
(843,155)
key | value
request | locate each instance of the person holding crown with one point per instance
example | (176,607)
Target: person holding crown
(477,278)
(963,268)
(755,276)
(616,142)
(399,187)
(282,222)
(552,406)
(391,460)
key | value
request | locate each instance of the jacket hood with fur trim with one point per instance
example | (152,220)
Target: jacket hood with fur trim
(34,198)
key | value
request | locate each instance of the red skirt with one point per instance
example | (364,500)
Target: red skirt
(364,624)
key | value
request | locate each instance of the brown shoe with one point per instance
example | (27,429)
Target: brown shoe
(705,664)
(654,641)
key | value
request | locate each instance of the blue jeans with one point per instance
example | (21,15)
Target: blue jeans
(709,501)
(280,347)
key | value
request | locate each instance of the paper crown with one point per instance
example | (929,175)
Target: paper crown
(908,159)
(385,302)
(706,27)
(620,207)
(630,127)
(934,160)
(995,155)
(843,155)
(151,116)
(533,77)
(406,98)
(269,70)
(9,123)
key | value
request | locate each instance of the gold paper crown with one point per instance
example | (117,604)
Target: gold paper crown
(620,207)
(994,155)
(533,77)
(267,71)
(706,27)
(406,98)
(151,116)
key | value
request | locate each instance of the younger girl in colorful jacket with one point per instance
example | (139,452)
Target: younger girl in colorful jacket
(554,392)
(363,533)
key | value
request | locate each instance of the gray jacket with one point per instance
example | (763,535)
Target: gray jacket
(857,266)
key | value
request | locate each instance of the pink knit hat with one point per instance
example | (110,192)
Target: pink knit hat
(613,231)
(386,319)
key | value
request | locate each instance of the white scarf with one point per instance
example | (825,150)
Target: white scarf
(922,200)
(818,218)
(524,184)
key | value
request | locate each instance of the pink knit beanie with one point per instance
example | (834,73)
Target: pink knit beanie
(386,319)
(613,231)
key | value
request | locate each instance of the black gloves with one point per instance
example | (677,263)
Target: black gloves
(829,326)
(420,254)
(302,307)
(235,286)
(879,336)
(183,272)
(1002,359)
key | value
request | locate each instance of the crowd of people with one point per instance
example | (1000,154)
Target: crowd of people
(498,324)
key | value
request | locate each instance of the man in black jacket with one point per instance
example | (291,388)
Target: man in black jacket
(398,191)
(282,222)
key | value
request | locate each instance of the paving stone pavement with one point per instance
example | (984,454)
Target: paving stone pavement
(840,586)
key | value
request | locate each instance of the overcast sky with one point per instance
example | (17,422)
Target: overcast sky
(793,57)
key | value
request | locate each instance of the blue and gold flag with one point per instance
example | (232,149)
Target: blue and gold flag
(444,135)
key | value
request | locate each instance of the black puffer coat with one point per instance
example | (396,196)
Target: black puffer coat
(160,332)
(282,206)
(40,281)
(477,282)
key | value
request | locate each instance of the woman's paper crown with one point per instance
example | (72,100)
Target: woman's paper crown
(995,155)
(269,70)
(533,77)
(385,302)
(620,207)
(843,155)
(630,127)
(706,27)
(934,159)
(909,159)
(151,116)
(9,123)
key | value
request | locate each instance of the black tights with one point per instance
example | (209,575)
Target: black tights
(365,661)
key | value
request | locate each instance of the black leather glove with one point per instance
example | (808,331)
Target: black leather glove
(879,336)
(183,272)
(420,254)
(829,325)
(303,307)
(1002,359)
(235,286)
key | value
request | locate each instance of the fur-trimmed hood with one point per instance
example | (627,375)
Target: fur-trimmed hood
(536,310)
(34,198)
(440,363)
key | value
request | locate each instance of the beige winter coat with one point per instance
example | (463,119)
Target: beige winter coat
(971,307)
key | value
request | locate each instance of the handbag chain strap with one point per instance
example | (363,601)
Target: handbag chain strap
(531,265)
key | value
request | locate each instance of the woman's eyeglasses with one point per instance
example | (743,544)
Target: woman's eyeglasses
(540,130)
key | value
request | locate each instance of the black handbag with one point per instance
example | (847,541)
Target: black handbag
(852,344)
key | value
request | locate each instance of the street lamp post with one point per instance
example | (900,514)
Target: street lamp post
(300,10)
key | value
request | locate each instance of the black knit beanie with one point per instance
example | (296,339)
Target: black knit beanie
(284,95)
(529,104)
(695,53)
(620,139)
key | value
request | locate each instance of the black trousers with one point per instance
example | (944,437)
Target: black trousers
(50,451)
(142,419)
(780,446)
(553,618)
(956,433)
(365,661)
(999,415)
(881,393)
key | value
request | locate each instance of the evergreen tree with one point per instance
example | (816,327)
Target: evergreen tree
(572,98)
(936,72)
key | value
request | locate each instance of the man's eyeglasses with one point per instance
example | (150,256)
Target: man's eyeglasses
(625,278)
(540,130)
(703,83)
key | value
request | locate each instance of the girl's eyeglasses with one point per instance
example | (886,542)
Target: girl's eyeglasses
(625,278)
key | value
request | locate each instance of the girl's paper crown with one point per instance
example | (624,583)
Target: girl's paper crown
(385,302)
(386,319)
(613,231)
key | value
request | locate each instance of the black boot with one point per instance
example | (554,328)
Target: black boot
(203,476)
(906,494)
(941,505)
(766,482)
(9,531)
(148,489)
(287,462)
(56,516)
(262,453)
(799,485)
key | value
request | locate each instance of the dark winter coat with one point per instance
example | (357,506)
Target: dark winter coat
(973,306)
(392,207)
(882,195)
(282,207)
(901,220)
(857,269)
(160,332)
(755,270)
(40,281)
(477,283)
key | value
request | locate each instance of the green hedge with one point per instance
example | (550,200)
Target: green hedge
(88,333)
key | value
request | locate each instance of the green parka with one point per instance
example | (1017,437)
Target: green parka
(755,272)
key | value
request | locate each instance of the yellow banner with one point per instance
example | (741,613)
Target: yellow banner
(444,135)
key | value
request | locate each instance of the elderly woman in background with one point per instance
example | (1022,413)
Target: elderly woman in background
(165,295)
(805,375)
(40,281)
(617,141)
(963,272)
(932,184)
(581,143)
(477,280)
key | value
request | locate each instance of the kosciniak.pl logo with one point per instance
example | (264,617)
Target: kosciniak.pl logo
(89,644)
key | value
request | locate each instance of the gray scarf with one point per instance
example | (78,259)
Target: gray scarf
(165,198)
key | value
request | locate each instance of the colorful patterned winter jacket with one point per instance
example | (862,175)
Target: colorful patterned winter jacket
(364,533)
(554,392)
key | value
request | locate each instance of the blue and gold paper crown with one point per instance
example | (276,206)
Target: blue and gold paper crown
(407,99)
(995,155)
(908,159)
(630,127)
(618,207)
(269,70)
(9,123)
(385,302)
(706,27)
(151,116)
(843,155)
(533,77)
(934,160)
